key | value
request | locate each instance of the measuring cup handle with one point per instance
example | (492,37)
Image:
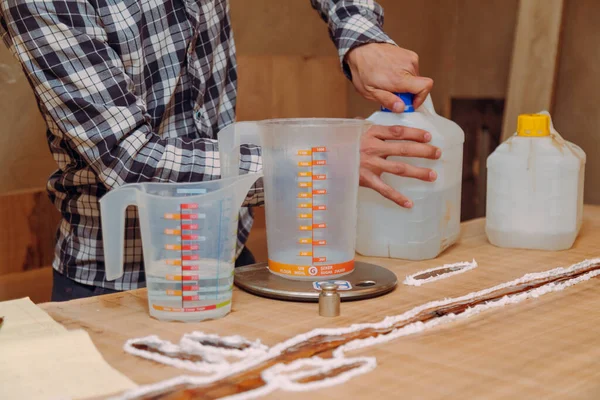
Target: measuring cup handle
(112,213)
(230,139)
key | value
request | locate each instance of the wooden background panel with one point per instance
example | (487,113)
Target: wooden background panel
(25,161)
(275,27)
(534,61)
(577,99)
(28,223)
(465,46)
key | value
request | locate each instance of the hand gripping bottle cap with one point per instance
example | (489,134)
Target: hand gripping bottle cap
(407,99)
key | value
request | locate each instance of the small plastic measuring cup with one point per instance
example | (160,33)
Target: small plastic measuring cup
(189,236)
(311,181)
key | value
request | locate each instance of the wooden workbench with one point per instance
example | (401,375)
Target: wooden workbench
(543,348)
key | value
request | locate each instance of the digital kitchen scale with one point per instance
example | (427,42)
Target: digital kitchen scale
(366,281)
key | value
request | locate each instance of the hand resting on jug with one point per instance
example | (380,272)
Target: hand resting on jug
(378,71)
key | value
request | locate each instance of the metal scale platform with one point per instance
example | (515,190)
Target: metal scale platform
(366,281)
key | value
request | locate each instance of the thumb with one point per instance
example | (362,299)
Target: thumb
(420,86)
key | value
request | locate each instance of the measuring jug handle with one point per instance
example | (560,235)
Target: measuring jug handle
(230,139)
(112,214)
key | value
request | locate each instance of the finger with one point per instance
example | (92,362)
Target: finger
(398,132)
(408,149)
(402,169)
(370,180)
(418,85)
(388,99)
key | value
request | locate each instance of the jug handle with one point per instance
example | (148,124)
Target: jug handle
(230,139)
(112,212)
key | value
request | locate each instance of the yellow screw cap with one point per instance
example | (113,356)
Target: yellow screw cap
(533,125)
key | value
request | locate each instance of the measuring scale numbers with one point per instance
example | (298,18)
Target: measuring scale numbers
(197,280)
(313,184)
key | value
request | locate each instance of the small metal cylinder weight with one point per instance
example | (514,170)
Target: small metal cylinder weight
(329,300)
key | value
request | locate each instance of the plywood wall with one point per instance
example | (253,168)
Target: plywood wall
(577,97)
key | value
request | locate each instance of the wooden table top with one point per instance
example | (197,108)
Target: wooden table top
(547,347)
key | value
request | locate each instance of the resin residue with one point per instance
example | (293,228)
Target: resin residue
(317,359)
(437,273)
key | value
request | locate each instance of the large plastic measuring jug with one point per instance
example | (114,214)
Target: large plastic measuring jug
(310,181)
(189,233)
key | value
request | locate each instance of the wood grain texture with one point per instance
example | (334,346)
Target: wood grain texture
(290,87)
(577,98)
(534,61)
(542,348)
(28,223)
(25,161)
(35,284)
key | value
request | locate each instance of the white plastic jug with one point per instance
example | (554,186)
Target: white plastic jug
(433,223)
(189,236)
(535,188)
(310,180)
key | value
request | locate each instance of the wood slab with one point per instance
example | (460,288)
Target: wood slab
(543,348)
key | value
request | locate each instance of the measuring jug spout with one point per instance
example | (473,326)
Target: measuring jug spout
(230,139)
(112,211)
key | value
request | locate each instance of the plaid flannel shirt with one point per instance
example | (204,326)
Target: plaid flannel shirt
(136,91)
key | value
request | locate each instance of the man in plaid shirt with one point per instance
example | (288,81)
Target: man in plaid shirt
(136,91)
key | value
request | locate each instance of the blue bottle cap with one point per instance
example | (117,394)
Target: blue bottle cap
(407,99)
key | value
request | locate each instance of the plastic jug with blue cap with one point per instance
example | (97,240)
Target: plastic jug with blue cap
(433,223)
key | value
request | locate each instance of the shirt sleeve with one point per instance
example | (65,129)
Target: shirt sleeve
(352,23)
(90,103)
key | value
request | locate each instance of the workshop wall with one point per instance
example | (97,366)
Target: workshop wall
(288,67)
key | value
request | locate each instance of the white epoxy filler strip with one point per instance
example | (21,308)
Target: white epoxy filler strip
(284,376)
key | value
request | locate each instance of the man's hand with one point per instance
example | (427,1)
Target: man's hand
(379,70)
(374,152)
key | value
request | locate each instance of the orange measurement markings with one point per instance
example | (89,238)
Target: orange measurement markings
(319,162)
(190,247)
(190,268)
(305,254)
(172,247)
(320,207)
(190,257)
(304,195)
(173,277)
(173,262)
(305,216)
(304,174)
(305,228)
(190,277)
(304,184)
(189,216)
(189,206)
(190,237)
(174,292)
(305,241)
(319,191)
(172,232)
(305,205)
(319,226)
(319,259)
(320,149)
(194,297)
(319,243)
(304,163)
(304,152)
(319,177)
(190,288)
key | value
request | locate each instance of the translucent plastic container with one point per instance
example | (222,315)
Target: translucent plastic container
(311,181)
(535,188)
(189,236)
(433,223)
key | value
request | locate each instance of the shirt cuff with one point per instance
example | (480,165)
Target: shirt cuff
(354,32)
